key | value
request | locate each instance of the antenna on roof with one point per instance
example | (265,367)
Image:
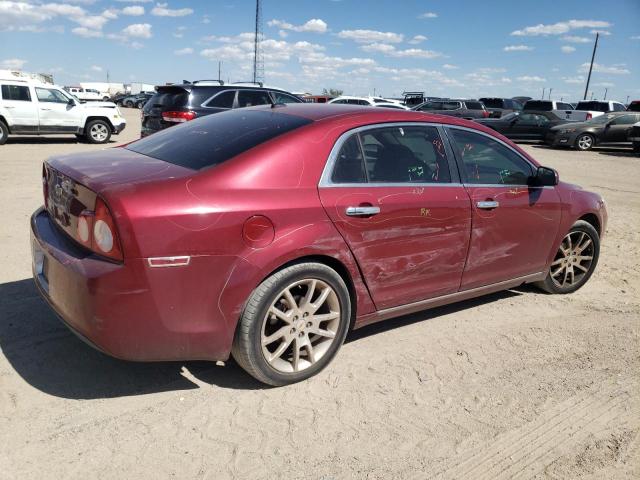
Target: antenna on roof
(258,56)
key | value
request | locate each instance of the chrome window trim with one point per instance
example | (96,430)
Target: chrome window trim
(496,139)
(325,178)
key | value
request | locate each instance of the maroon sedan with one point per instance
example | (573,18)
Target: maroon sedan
(268,233)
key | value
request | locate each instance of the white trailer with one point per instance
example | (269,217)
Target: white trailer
(106,89)
(138,87)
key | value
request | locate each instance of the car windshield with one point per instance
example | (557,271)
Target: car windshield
(214,139)
(510,116)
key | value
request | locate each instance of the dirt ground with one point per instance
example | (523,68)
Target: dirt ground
(514,385)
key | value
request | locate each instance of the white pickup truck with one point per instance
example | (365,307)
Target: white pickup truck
(588,109)
(86,94)
(28,107)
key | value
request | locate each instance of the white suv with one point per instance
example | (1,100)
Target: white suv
(86,94)
(29,107)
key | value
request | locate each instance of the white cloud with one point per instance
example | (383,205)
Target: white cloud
(577,79)
(183,51)
(518,48)
(618,69)
(567,49)
(138,30)
(448,66)
(606,33)
(560,27)
(134,1)
(161,10)
(417,39)
(378,47)
(133,11)
(604,84)
(96,68)
(12,63)
(428,15)
(371,36)
(86,33)
(634,37)
(391,51)
(531,78)
(315,25)
(576,39)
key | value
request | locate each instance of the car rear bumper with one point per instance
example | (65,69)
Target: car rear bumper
(130,310)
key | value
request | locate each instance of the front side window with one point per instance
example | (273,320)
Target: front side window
(280,97)
(474,106)
(50,95)
(17,93)
(249,98)
(532,119)
(625,120)
(431,106)
(412,154)
(450,105)
(618,107)
(487,161)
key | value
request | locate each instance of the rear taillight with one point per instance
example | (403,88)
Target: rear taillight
(589,116)
(97,231)
(178,117)
(45,185)
(485,114)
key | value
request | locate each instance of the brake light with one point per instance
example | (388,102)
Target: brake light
(485,114)
(105,239)
(178,117)
(589,116)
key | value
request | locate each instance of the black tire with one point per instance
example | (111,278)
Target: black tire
(91,131)
(140,105)
(4,132)
(247,347)
(580,228)
(585,141)
(127,103)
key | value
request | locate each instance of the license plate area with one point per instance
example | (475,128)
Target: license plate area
(40,266)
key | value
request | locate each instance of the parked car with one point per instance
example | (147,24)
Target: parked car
(267,233)
(546,106)
(142,99)
(521,100)
(395,105)
(86,94)
(586,110)
(28,107)
(468,109)
(118,97)
(523,125)
(181,103)
(633,136)
(317,98)
(607,128)
(498,107)
(634,106)
(132,101)
(350,100)
(412,99)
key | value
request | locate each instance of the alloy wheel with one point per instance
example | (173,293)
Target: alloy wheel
(573,260)
(99,132)
(585,142)
(300,325)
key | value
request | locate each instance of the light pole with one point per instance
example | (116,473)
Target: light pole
(593,56)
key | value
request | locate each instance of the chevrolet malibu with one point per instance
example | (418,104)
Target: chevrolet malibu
(268,233)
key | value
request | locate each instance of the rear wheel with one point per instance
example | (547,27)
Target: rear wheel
(575,260)
(128,103)
(98,131)
(293,324)
(585,141)
(4,132)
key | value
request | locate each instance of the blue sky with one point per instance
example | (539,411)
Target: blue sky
(443,47)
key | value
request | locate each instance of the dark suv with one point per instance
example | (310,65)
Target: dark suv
(174,104)
(468,109)
(498,107)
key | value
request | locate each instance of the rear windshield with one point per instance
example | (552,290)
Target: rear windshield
(594,106)
(493,102)
(540,105)
(175,98)
(214,139)
(474,105)
(634,107)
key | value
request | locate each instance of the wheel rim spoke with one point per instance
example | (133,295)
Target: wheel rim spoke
(321,332)
(275,336)
(573,260)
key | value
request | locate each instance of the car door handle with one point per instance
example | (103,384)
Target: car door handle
(488,204)
(8,107)
(362,211)
(44,108)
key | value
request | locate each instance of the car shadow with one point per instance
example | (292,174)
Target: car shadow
(49,357)
(38,140)
(618,153)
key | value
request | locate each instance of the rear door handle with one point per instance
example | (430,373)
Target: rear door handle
(488,204)
(45,109)
(362,211)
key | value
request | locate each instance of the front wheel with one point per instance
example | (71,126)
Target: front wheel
(98,131)
(4,133)
(575,260)
(293,324)
(585,142)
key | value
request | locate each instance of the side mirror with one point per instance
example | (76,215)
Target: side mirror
(71,102)
(545,177)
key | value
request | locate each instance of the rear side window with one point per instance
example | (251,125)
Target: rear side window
(474,105)
(16,93)
(450,105)
(540,105)
(285,98)
(214,139)
(634,107)
(593,106)
(250,98)
(493,103)
(564,106)
(618,107)
(349,167)
(222,100)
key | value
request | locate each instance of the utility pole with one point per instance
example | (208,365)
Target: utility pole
(593,56)
(605,93)
(219,69)
(550,90)
(543,89)
(108,76)
(591,96)
(627,102)
(258,61)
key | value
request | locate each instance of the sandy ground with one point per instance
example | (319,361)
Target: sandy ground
(513,385)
